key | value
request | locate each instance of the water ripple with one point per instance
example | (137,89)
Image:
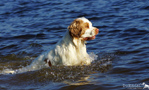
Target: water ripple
(30,27)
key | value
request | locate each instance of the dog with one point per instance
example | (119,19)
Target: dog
(70,50)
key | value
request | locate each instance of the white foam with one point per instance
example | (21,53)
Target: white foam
(93,56)
(34,66)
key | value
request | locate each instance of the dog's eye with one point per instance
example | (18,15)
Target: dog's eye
(86,26)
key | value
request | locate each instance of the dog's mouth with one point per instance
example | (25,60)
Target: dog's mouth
(89,38)
(93,37)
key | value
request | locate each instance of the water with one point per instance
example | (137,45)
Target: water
(30,27)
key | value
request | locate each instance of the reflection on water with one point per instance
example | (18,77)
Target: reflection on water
(72,75)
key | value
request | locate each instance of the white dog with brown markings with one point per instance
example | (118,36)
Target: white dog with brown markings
(70,50)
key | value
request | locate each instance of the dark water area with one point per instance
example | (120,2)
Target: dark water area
(30,27)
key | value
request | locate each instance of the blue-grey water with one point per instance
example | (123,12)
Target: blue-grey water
(30,27)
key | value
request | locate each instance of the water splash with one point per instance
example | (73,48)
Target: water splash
(98,64)
(93,56)
(70,75)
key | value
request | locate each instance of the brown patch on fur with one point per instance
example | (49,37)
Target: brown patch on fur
(49,63)
(77,28)
(86,25)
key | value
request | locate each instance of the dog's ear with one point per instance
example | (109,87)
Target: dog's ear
(75,28)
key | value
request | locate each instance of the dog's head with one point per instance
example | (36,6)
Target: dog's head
(81,28)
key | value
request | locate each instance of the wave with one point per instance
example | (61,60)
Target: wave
(38,64)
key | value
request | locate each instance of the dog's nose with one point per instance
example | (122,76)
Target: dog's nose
(97,30)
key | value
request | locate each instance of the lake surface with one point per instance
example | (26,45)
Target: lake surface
(30,27)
